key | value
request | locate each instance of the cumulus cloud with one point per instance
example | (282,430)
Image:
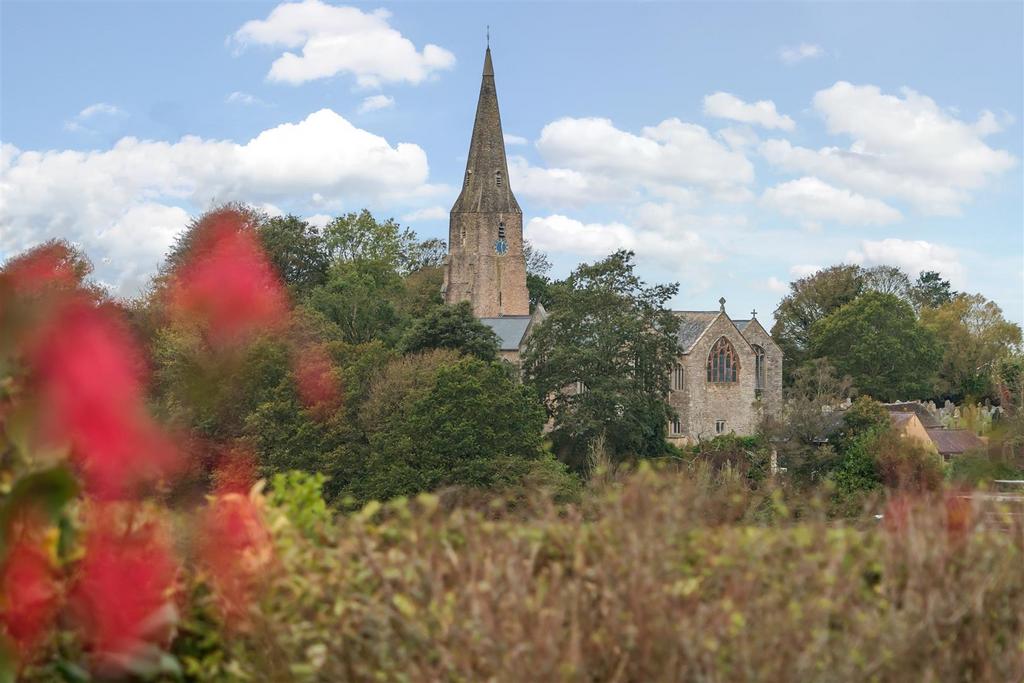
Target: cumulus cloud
(762,113)
(561,186)
(341,40)
(739,138)
(904,147)
(774,284)
(913,256)
(430,213)
(656,232)
(126,203)
(812,200)
(669,153)
(515,139)
(793,54)
(375,102)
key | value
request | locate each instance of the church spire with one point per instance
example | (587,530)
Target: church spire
(485,187)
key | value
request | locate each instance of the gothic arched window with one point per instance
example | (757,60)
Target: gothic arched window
(759,369)
(497,178)
(723,363)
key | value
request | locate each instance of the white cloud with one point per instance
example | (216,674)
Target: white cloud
(803,270)
(656,232)
(515,139)
(126,203)
(91,113)
(662,157)
(798,53)
(431,213)
(913,256)
(239,97)
(904,147)
(739,137)
(376,102)
(561,186)
(319,220)
(726,106)
(774,284)
(812,200)
(338,40)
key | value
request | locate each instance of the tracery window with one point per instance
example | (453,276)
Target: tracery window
(723,363)
(759,369)
(677,377)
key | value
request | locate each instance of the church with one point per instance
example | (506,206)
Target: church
(728,373)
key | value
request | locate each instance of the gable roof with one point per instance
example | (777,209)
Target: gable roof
(927,418)
(510,330)
(741,325)
(693,325)
(954,441)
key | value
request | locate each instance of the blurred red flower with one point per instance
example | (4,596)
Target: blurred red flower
(959,514)
(235,547)
(89,373)
(29,592)
(235,472)
(39,268)
(316,381)
(123,596)
(227,283)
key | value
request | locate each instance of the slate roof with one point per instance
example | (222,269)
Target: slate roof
(927,418)
(954,441)
(691,325)
(510,330)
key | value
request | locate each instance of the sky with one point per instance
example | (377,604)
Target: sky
(734,147)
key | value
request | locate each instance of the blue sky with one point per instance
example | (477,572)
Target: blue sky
(733,146)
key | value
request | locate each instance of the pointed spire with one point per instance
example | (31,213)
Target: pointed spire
(485,187)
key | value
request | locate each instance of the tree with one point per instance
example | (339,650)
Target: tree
(451,327)
(611,336)
(359,297)
(887,280)
(297,250)
(974,335)
(361,237)
(811,299)
(877,340)
(469,424)
(930,290)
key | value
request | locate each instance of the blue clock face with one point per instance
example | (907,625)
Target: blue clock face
(501,246)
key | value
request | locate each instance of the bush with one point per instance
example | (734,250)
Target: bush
(643,588)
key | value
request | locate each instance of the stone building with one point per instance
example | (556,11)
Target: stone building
(729,373)
(486,264)
(728,370)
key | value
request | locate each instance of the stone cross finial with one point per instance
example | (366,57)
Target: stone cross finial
(753,314)
(721,302)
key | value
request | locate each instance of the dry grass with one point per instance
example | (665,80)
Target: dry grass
(659,577)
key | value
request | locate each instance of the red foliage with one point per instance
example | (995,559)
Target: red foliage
(316,380)
(40,268)
(959,514)
(235,547)
(236,471)
(123,595)
(88,370)
(30,594)
(227,284)
(897,511)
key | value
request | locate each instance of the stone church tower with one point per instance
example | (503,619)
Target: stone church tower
(486,265)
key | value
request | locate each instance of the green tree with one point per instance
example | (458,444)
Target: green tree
(878,342)
(887,280)
(361,237)
(451,327)
(930,290)
(297,250)
(470,425)
(811,299)
(359,297)
(974,335)
(610,335)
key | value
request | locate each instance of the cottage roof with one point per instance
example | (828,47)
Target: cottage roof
(510,330)
(954,441)
(927,418)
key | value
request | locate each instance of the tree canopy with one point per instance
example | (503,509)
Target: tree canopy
(600,360)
